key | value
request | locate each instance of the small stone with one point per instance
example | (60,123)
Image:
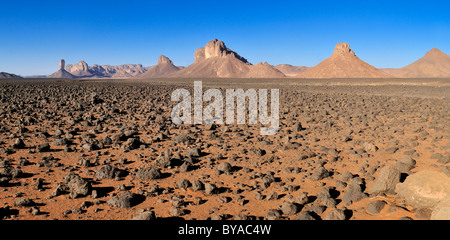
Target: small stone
(35,211)
(335,214)
(149,173)
(45,147)
(273,214)
(305,215)
(375,207)
(124,200)
(352,194)
(145,216)
(289,208)
(183,184)
(210,189)
(176,212)
(320,174)
(386,181)
(24,202)
(197,185)
(224,167)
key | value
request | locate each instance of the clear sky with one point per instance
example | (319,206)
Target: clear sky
(35,35)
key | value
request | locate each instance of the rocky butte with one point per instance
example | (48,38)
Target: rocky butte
(61,73)
(164,67)
(343,64)
(216,60)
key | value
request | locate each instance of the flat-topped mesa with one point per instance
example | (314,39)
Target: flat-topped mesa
(163,59)
(62,64)
(343,49)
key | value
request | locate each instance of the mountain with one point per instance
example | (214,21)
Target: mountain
(83,70)
(118,71)
(343,64)
(164,67)
(8,75)
(435,64)
(290,70)
(215,60)
(61,73)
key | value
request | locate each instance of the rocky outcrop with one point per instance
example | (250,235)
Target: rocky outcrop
(215,60)
(164,60)
(118,71)
(61,73)
(62,64)
(164,67)
(343,64)
(81,69)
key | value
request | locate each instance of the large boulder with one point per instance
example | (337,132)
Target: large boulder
(77,185)
(442,210)
(424,189)
(386,181)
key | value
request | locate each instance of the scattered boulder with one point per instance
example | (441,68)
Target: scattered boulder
(289,208)
(369,147)
(183,183)
(77,185)
(224,167)
(124,200)
(405,164)
(375,207)
(108,172)
(352,194)
(18,143)
(197,185)
(149,173)
(320,174)
(44,147)
(335,214)
(388,177)
(273,214)
(145,216)
(210,189)
(24,202)
(305,215)
(424,189)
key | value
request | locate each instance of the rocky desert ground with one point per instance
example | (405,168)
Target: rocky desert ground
(107,149)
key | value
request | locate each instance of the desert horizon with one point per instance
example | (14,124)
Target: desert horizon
(434,64)
(261,115)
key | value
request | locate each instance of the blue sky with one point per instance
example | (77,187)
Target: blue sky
(35,35)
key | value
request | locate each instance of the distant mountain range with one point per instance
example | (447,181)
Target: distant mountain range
(216,60)
(8,75)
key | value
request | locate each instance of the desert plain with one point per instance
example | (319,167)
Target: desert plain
(350,149)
